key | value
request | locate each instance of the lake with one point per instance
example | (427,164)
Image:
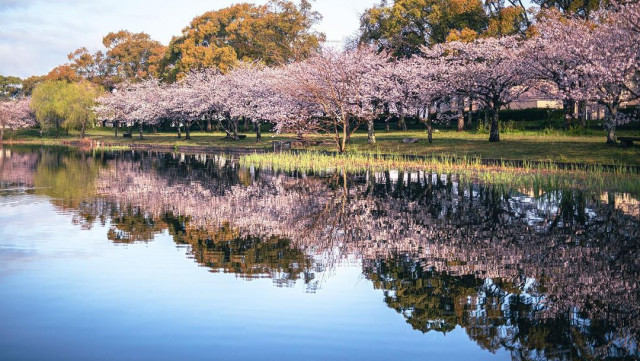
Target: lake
(164,256)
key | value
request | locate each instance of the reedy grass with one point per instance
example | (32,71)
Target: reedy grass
(534,176)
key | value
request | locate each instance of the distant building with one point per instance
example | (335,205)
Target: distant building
(535,103)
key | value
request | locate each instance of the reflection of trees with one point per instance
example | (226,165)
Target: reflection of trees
(249,257)
(547,276)
(16,167)
(131,224)
(68,177)
(431,301)
(540,266)
(495,313)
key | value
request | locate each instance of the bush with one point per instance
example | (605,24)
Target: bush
(511,126)
(531,114)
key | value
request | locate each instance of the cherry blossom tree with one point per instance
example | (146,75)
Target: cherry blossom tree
(489,70)
(415,86)
(251,89)
(553,56)
(611,65)
(592,60)
(334,92)
(131,104)
(112,108)
(15,114)
(183,103)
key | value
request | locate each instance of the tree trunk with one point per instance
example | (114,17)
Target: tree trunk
(82,129)
(371,134)
(343,142)
(470,113)
(234,128)
(140,136)
(610,123)
(187,130)
(450,101)
(2,133)
(179,130)
(429,129)
(258,131)
(402,124)
(460,114)
(582,113)
(486,119)
(245,126)
(611,135)
(568,109)
(386,124)
(494,135)
(208,124)
(115,127)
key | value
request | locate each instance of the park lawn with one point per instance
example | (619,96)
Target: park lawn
(522,145)
(590,149)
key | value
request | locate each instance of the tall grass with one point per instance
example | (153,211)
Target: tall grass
(535,176)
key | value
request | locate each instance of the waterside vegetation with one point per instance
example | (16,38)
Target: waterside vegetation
(536,177)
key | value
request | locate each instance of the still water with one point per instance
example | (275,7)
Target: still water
(159,256)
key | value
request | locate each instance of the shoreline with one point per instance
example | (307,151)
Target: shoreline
(91,144)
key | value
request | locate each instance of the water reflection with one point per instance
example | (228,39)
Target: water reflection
(544,276)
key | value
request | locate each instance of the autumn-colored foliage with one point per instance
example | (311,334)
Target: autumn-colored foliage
(276,33)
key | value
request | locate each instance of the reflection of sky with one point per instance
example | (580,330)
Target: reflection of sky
(37,35)
(81,297)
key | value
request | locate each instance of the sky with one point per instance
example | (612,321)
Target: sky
(37,35)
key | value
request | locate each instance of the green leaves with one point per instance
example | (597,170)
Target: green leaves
(59,104)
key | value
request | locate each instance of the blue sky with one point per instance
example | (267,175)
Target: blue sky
(37,35)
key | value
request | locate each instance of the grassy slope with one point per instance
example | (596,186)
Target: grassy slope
(531,145)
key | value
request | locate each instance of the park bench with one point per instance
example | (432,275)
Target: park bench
(126,135)
(628,141)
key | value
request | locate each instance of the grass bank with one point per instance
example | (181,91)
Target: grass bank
(558,146)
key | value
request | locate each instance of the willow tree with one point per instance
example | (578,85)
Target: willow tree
(60,104)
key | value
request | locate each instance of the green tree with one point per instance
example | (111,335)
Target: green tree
(406,25)
(59,104)
(80,98)
(48,106)
(10,86)
(581,8)
(276,33)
